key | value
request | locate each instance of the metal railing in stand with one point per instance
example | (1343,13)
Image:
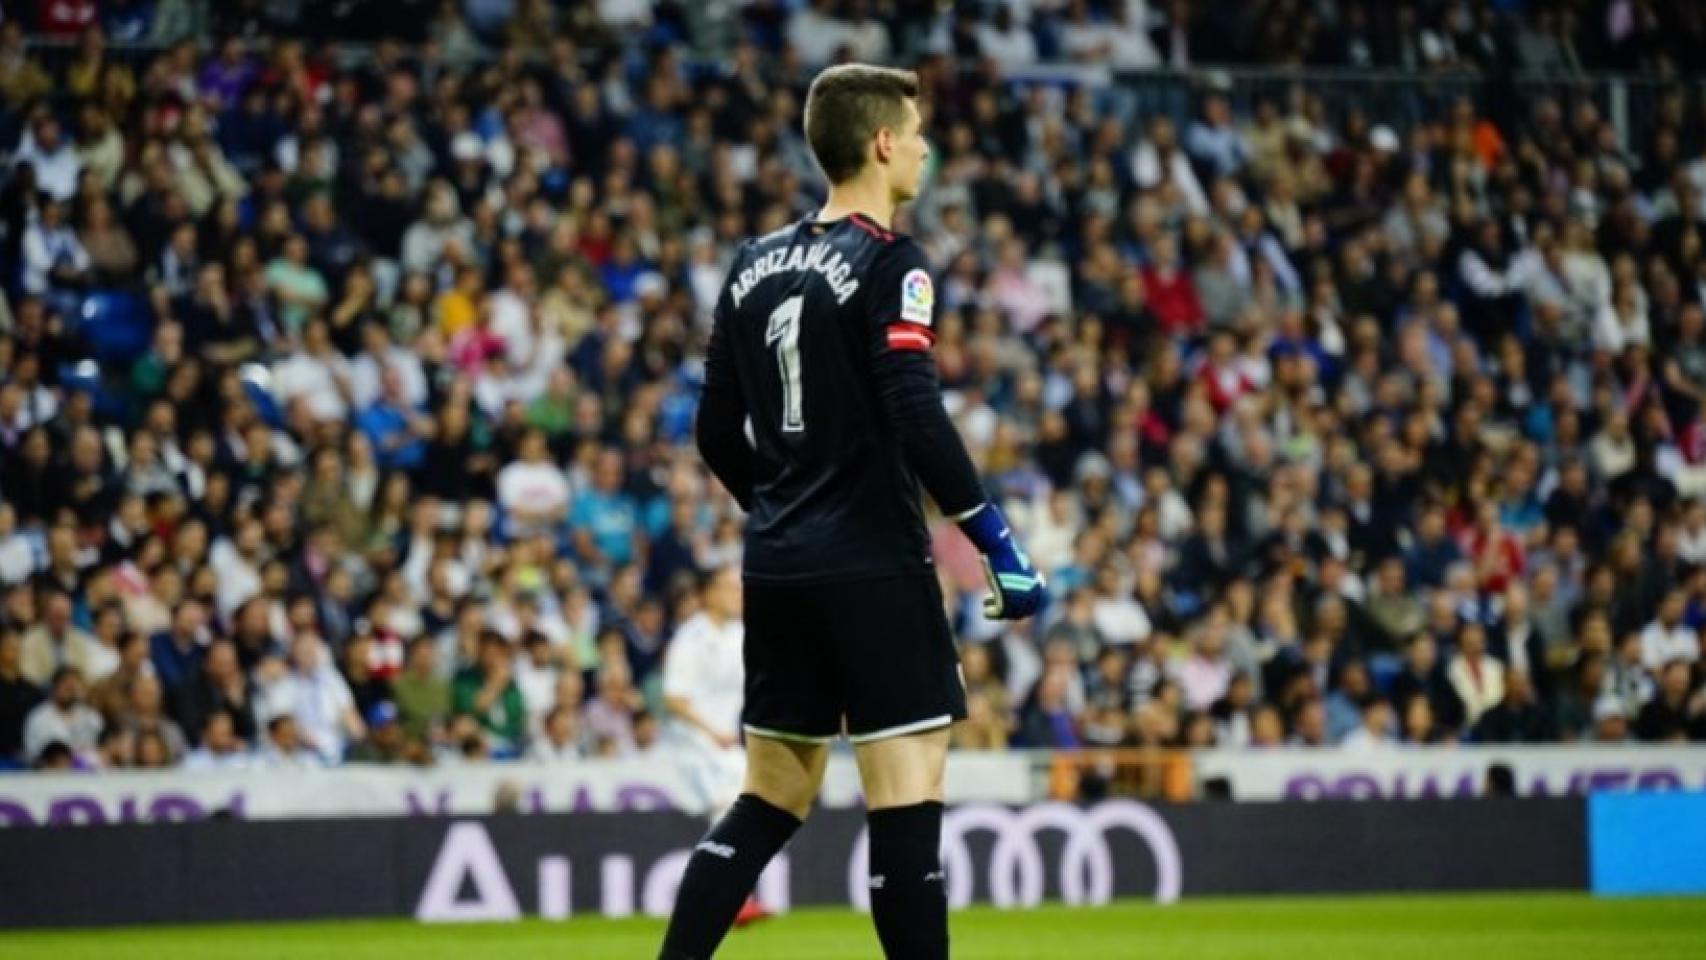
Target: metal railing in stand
(1402,99)
(1396,97)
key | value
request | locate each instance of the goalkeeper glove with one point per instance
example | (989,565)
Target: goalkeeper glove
(1017,590)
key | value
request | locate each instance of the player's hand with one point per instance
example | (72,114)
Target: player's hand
(1017,590)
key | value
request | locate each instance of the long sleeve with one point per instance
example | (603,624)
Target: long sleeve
(721,427)
(901,311)
(1481,279)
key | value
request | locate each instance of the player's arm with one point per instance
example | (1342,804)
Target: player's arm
(682,709)
(721,427)
(901,303)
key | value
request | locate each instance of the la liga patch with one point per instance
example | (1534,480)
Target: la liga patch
(917,297)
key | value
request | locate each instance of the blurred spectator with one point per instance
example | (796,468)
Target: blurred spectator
(1477,678)
(1344,704)
(421,693)
(560,741)
(57,642)
(386,741)
(176,653)
(145,714)
(610,715)
(1672,715)
(63,718)
(486,692)
(1517,718)
(53,159)
(220,747)
(1047,722)
(1375,730)
(532,491)
(309,689)
(282,747)
(1610,722)
(1422,675)
(1667,638)
(18,697)
(1392,608)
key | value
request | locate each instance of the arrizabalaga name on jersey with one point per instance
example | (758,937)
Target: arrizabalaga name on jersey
(820,257)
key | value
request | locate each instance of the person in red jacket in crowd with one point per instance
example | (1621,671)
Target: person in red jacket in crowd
(1498,556)
(65,19)
(1172,296)
(1219,373)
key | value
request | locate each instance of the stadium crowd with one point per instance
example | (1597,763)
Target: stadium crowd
(346,402)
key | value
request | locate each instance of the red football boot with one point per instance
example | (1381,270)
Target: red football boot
(751,912)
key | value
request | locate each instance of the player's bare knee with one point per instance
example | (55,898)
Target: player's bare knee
(785,775)
(784,789)
(903,771)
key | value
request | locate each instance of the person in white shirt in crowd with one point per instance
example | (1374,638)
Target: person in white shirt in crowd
(283,747)
(315,373)
(560,739)
(46,149)
(533,490)
(1375,733)
(1478,678)
(819,31)
(1625,324)
(238,558)
(536,672)
(441,225)
(221,748)
(315,694)
(1667,637)
(512,307)
(1213,140)
(1007,40)
(1691,539)
(1158,160)
(379,353)
(21,552)
(1117,613)
(54,259)
(63,717)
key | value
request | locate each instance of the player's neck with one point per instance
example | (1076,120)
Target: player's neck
(867,195)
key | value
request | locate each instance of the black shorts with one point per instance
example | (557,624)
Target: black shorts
(877,652)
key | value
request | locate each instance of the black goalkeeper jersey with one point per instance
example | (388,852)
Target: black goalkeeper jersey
(822,342)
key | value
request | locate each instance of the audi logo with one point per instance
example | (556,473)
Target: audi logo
(1016,868)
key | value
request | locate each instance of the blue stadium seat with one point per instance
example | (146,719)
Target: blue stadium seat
(110,404)
(117,325)
(257,386)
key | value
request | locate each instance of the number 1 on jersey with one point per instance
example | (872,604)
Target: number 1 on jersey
(784,333)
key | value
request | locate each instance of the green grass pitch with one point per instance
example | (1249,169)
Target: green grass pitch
(1424,927)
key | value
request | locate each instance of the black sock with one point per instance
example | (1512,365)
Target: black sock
(721,874)
(909,897)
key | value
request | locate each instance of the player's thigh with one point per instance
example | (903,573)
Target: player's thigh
(895,657)
(902,771)
(791,690)
(785,773)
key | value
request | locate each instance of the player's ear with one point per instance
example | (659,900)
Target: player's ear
(884,144)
